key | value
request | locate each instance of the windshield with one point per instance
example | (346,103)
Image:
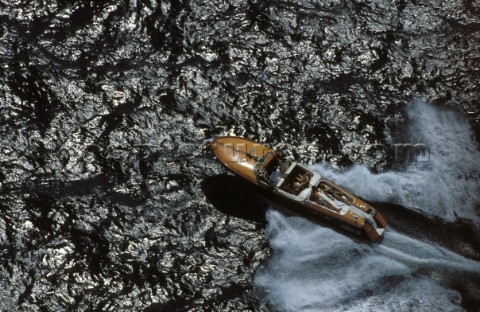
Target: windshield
(265,165)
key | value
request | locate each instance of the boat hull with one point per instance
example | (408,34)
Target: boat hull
(323,219)
(299,209)
(240,156)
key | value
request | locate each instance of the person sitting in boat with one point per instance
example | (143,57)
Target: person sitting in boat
(315,196)
(284,160)
(275,175)
(300,182)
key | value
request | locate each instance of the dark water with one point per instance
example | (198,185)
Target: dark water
(109,201)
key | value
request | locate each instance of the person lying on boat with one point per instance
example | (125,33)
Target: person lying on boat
(316,197)
(334,194)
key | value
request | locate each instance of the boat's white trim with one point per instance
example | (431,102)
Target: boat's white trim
(300,197)
(315,179)
(293,165)
(304,194)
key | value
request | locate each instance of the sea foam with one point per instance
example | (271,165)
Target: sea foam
(445,183)
(314,268)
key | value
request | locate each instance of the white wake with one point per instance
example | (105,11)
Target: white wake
(314,268)
(317,269)
(445,186)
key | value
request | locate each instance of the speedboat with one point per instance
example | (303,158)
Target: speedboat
(297,189)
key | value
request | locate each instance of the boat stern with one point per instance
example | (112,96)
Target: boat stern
(376,228)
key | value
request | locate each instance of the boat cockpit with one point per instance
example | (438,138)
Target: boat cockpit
(291,178)
(299,183)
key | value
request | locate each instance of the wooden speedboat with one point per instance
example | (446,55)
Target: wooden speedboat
(297,189)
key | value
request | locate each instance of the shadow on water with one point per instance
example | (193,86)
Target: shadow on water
(460,236)
(100,185)
(234,197)
(164,307)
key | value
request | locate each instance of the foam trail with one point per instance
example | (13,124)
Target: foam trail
(417,253)
(317,269)
(447,186)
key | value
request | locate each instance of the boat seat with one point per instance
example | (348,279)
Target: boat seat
(300,197)
(304,194)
